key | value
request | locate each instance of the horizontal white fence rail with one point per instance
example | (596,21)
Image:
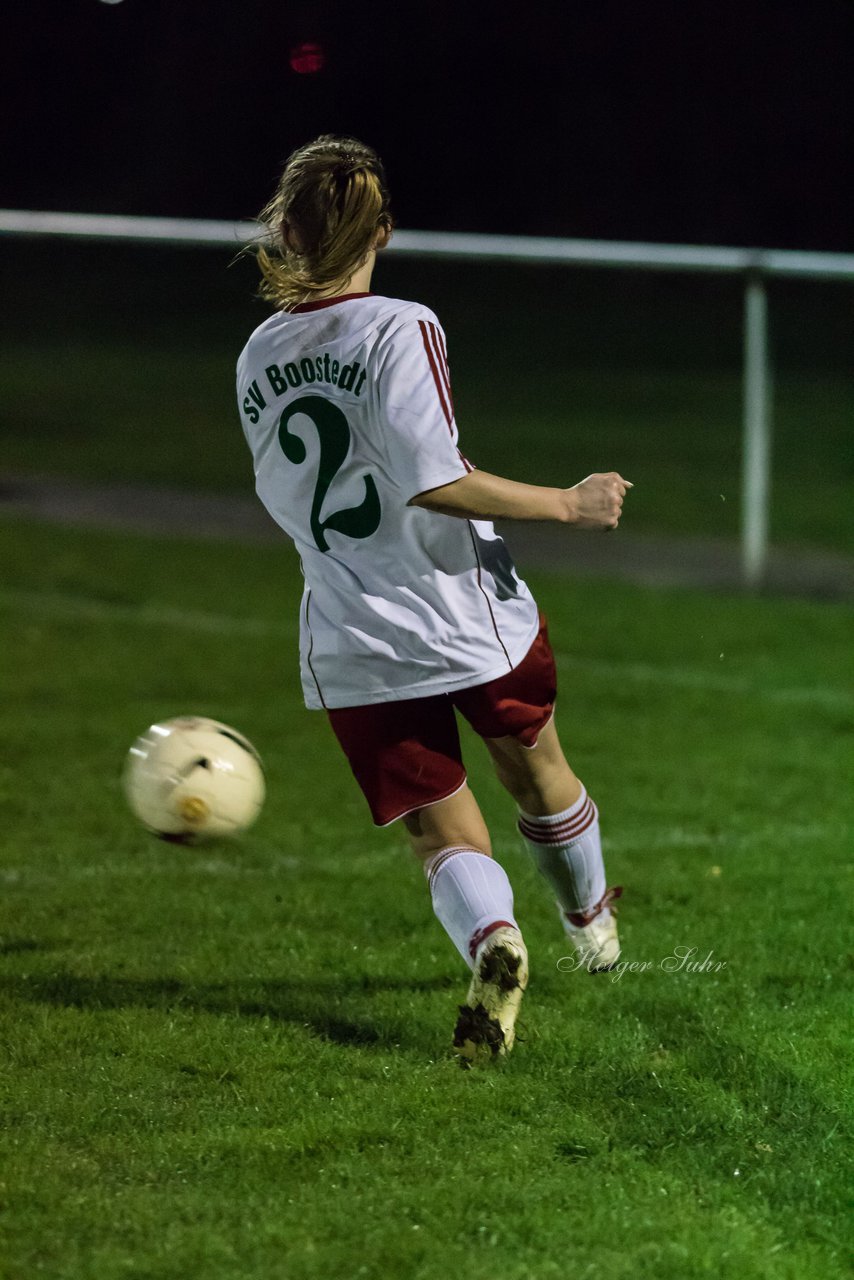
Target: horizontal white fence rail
(753,264)
(448,244)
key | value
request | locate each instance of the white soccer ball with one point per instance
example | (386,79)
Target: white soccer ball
(192,778)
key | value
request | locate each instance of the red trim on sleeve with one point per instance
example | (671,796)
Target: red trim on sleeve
(437,377)
(443,351)
(441,358)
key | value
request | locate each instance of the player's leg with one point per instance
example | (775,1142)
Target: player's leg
(471,893)
(537,775)
(557,819)
(473,900)
(407,759)
(560,826)
(456,820)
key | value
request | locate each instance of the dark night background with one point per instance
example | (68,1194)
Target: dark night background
(694,122)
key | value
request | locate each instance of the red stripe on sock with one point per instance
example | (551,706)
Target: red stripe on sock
(582,918)
(444,856)
(559,832)
(480,935)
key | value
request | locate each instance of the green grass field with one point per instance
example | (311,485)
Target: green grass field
(232,1062)
(118,363)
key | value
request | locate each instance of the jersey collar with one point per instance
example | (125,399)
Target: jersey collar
(326,302)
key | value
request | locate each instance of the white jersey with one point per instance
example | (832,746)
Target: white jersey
(346,406)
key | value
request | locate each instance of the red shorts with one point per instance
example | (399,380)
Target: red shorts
(406,755)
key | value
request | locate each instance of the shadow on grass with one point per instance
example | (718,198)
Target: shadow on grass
(730,1112)
(19,946)
(311,1003)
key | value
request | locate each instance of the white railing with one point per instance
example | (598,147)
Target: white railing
(754,264)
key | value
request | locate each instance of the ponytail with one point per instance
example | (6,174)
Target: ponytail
(322,221)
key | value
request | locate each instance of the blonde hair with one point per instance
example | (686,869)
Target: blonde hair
(322,221)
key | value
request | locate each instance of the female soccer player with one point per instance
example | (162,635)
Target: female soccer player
(412,607)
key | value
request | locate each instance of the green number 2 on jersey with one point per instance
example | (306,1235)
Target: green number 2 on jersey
(333,432)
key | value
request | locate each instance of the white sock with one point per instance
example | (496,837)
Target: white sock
(471,896)
(567,850)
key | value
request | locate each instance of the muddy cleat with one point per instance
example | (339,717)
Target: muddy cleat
(486,1026)
(593,933)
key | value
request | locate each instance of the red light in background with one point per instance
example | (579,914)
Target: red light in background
(307,59)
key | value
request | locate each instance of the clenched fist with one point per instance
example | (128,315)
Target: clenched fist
(598,501)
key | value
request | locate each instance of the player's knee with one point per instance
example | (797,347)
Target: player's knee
(429,834)
(526,774)
(537,782)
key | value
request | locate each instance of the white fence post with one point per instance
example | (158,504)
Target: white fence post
(756,456)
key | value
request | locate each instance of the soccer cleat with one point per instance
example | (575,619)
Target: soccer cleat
(593,933)
(486,1026)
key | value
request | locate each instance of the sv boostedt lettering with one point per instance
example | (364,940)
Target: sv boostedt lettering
(294,374)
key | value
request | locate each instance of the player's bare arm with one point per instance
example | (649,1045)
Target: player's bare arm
(594,503)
